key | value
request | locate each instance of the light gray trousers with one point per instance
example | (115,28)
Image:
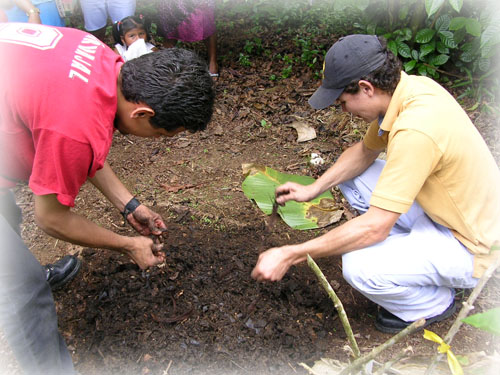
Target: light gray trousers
(414,271)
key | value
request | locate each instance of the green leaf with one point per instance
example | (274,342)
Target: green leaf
(426,49)
(491,33)
(410,65)
(459,36)
(404,50)
(443,23)
(432,6)
(260,185)
(473,27)
(422,70)
(393,47)
(487,321)
(456,4)
(441,48)
(439,60)
(484,64)
(457,23)
(447,39)
(414,54)
(424,36)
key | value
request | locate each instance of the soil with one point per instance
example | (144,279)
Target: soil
(200,312)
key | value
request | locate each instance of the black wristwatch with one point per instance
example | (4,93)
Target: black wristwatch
(130,207)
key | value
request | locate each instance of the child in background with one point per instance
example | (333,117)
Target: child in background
(131,36)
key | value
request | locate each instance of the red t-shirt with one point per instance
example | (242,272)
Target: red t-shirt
(58,99)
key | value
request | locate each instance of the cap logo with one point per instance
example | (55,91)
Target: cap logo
(324,64)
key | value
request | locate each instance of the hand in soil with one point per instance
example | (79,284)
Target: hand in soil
(272,264)
(146,221)
(144,252)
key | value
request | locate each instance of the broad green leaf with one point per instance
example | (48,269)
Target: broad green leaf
(487,321)
(443,23)
(424,36)
(439,60)
(457,23)
(491,33)
(441,48)
(459,36)
(484,64)
(422,70)
(404,50)
(447,39)
(410,65)
(432,6)
(414,54)
(260,185)
(456,4)
(393,47)
(473,27)
(426,49)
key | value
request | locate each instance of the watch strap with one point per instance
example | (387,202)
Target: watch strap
(130,207)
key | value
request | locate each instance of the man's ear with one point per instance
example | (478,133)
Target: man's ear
(142,111)
(366,87)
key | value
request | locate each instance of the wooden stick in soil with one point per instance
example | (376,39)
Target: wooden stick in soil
(338,305)
(467,307)
(357,363)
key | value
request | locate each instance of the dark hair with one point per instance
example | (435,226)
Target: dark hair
(386,77)
(175,83)
(122,27)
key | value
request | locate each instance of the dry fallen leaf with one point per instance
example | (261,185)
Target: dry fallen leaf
(305,132)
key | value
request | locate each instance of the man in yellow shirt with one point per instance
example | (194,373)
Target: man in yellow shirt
(429,213)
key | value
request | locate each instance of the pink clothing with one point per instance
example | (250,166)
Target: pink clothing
(58,99)
(198,25)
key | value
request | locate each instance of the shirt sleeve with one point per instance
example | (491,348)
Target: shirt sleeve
(372,140)
(61,166)
(411,158)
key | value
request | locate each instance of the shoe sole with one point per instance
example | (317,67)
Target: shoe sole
(438,318)
(68,278)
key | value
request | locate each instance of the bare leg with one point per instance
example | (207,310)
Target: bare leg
(211,43)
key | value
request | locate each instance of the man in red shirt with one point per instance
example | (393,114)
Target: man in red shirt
(62,95)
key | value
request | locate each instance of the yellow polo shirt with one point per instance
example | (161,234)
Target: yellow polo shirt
(436,156)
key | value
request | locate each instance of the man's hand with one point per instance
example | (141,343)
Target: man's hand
(273,264)
(294,191)
(146,222)
(145,253)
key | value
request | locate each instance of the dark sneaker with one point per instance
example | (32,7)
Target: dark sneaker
(62,271)
(389,323)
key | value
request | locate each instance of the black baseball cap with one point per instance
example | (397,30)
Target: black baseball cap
(350,58)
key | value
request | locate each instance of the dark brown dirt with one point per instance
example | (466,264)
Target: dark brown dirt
(201,313)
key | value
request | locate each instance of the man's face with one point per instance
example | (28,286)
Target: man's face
(361,104)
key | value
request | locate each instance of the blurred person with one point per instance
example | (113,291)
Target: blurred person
(190,21)
(33,11)
(97,12)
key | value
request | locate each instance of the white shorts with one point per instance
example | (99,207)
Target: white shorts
(96,12)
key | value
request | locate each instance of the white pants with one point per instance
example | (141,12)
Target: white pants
(412,272)
(96,12)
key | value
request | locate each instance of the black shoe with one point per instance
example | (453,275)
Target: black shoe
(389,323)
(62,271)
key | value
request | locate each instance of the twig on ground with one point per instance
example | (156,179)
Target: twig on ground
(357,363)
(337,303)
(387,366)
(467,307)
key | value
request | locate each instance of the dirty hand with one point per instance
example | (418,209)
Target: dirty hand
(145,253)
(293,191)
(272,264)
(146,222)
